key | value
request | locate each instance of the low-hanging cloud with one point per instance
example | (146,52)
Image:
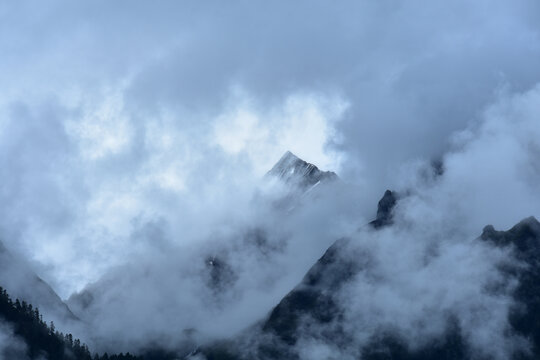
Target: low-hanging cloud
(172,294)
(138,133)
(11,346)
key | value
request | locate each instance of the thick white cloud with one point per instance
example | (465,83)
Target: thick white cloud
(126,127)
(303,125)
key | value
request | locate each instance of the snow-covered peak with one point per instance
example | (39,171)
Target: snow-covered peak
(292,169)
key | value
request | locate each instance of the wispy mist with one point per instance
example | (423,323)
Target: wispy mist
(134,139)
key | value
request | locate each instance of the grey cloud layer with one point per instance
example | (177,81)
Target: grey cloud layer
(109,111)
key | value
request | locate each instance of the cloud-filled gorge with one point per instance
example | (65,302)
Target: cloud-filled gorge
(136,141)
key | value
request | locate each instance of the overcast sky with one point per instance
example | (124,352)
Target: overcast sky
(117,115)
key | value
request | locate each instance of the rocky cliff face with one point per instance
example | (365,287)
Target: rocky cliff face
(384,210)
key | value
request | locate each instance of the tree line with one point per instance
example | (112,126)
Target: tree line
(44,340)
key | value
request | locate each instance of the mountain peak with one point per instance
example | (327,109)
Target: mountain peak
(289,154)
(291,169)
(286,161)
(384,209)
(524,236)
(530,221)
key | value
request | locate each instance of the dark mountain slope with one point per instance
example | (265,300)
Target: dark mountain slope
(524,239)
(311,305)
(313,298)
